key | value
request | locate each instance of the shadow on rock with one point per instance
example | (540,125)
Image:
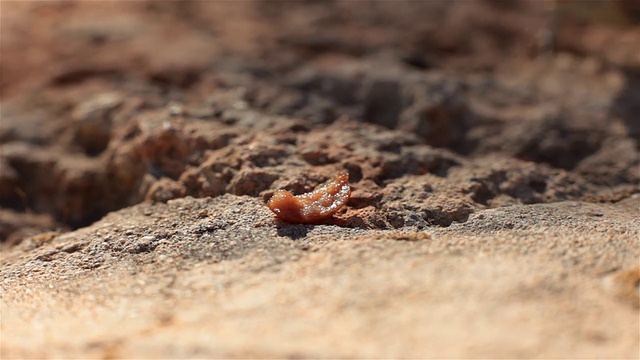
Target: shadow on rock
(293,231)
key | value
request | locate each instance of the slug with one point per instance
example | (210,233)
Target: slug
(313,207)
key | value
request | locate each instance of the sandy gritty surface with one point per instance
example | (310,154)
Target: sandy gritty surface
(492,149)
(229,282)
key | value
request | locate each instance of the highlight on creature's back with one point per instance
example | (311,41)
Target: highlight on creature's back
(315,206)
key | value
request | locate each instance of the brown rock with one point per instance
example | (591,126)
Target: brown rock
(492,149)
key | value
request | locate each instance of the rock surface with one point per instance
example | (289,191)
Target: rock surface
(495,209)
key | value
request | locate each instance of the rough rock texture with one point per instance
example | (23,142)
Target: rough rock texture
(492,149)
(220,278)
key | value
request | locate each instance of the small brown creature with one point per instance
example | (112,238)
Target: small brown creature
(313,207)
